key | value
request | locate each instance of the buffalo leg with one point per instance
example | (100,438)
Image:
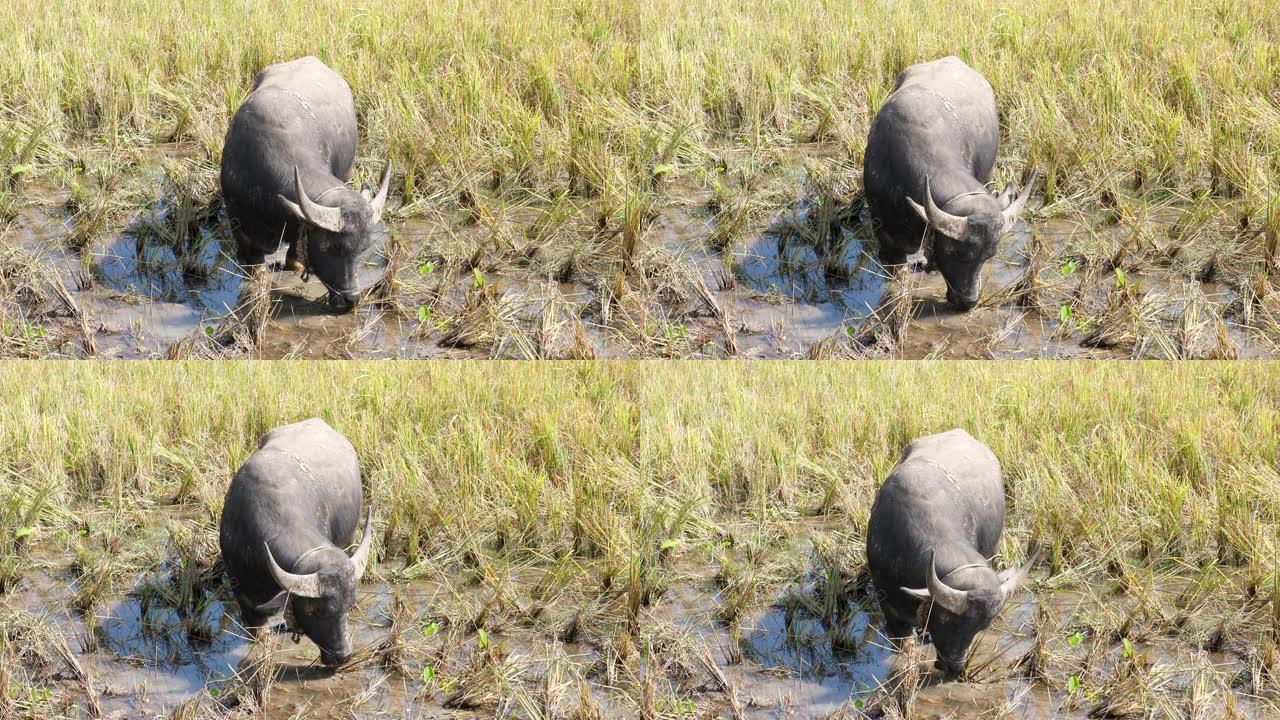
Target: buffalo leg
(247,254)
(291,261)
(255,623)
(253,616)
(897,631)
(895,627)
(891,256)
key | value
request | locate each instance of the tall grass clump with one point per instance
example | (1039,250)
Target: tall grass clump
(589,95)
(1109,466)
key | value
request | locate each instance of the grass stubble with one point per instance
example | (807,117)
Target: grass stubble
(543,530)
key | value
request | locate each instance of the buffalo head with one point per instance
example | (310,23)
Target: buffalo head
(964,606)
(963,243)
(337,234)
(321,599)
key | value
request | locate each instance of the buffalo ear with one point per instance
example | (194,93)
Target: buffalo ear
(274,605)
(1006,196)
(1010,214)
(294,208)
(1011,578)
(366,191)
(953,226)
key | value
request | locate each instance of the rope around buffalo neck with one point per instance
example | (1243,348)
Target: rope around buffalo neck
(927,243)
(294,634)
(962,567)
(302,242)
(925,609)
(300,251)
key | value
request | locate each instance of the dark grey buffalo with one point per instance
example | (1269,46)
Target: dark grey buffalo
(929,157)
(935,522)
(285,167)
(289,513)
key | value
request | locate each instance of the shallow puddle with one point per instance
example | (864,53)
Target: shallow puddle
(154,648)
(782,289)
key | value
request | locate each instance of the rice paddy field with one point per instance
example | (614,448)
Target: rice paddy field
(669,178)
(599,540)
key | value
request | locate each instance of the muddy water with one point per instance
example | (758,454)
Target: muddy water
(145,659)
(143,662)
(786,296)
(779,293)
(140,302)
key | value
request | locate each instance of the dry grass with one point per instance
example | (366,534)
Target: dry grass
(580,502)
(595,97)
(1061,431)
(545,145)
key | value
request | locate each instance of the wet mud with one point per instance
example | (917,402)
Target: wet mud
(801,276)
(155,649)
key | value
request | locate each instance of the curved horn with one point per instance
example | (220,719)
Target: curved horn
(380,200)
(1011,579)
(953,226)
(948,598)
(1011,213)
(307,586)
(360,558)
(326,218)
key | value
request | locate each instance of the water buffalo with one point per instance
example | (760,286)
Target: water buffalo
(285,167)
(291,509)
(929,156)
(934,523)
